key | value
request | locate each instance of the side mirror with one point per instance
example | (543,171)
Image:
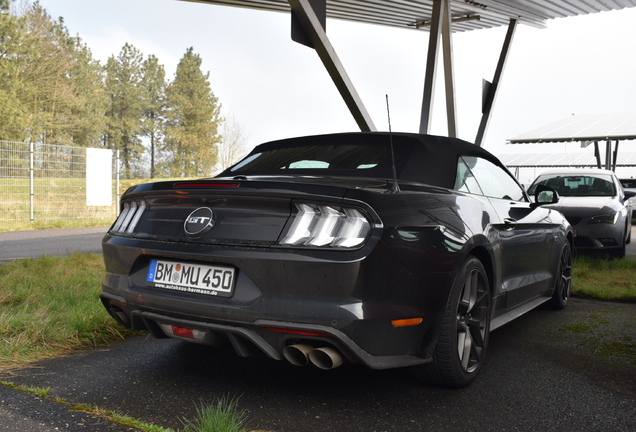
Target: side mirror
(630,194)
(545,195)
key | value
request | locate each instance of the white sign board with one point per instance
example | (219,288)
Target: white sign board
(99,177)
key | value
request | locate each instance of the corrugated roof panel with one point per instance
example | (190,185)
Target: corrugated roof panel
(416,13)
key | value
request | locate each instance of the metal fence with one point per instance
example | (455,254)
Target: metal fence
(41,182)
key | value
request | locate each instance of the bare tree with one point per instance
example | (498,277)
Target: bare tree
(233,145)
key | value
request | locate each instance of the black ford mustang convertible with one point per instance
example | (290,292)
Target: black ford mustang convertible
(367,248)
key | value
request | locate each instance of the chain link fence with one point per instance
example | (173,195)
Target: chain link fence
(42,182)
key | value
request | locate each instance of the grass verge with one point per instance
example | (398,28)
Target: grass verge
(50,306)
(604,279)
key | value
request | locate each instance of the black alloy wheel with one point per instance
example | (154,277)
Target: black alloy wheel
(563,282)
(464,333)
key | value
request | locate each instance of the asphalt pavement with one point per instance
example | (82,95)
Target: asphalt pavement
(57,242)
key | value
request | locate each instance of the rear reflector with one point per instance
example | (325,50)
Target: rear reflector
(182,332)
(406,322)
(172,330)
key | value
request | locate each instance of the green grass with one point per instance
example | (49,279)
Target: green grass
(604,279)
(37,391)
(50,305)
(223,415)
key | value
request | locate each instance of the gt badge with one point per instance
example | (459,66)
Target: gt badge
(199,221)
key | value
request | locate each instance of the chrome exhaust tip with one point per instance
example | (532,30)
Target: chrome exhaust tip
(298,355)
(325,358)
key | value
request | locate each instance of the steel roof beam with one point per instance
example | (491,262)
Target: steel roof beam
(316,34)
(449,73)
(491,93)
(441,26)
(431,68)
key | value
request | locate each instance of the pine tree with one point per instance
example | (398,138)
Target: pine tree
(123,86)
(153,95)
(50,84)
(87,121)
(47,91)
(192,120)
(15,48)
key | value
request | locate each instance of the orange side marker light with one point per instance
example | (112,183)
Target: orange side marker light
(406,322)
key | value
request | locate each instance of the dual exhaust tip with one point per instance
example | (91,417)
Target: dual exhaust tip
(301,355)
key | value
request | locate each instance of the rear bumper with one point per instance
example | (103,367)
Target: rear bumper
(342,300)
(249,339)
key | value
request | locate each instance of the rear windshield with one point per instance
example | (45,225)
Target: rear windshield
(337,157)
(577,185)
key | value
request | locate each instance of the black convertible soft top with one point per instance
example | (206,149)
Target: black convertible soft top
(419,158)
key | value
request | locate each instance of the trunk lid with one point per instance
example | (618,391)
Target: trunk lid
(242,212)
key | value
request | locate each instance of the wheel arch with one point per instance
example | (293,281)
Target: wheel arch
(482,254)
(481,248)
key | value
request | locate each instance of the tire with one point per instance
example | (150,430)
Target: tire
(620,252)
(463,337)
(563,282)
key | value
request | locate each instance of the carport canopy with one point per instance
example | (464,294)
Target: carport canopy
(441,18)
(587,129)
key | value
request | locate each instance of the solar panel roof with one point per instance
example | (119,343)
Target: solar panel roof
(583,127)
(544,160)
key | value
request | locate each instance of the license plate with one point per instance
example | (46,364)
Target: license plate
(194,278)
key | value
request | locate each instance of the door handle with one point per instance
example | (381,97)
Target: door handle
(510,223)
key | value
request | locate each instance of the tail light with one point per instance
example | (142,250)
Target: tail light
(327,226)
(129,217)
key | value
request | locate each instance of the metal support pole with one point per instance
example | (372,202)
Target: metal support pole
(608,154)
(431,67)
(116,183)
(489,101)
(615,156)
(449,74)
(31,188)
(316,34)
(597,154)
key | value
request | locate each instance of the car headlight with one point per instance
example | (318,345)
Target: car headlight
(609,218)
(326,225)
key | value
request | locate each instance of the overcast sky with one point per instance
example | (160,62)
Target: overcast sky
(277,88)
